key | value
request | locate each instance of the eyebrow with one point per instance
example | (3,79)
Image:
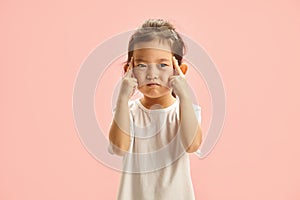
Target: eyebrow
(142,60)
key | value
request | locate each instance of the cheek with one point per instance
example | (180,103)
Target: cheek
(165,76)
(139,76)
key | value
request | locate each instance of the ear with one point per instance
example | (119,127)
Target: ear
(125,67)
(183,68)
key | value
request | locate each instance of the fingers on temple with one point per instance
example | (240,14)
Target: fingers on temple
(129,72)
(176,66)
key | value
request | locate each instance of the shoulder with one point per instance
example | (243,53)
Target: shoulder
(133,104)
(197,110)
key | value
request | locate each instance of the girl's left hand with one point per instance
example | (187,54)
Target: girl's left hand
(177,82)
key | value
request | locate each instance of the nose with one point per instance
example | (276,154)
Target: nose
(152,72)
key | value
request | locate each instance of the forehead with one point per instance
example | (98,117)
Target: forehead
(150,53)
(152,49)
(154,44)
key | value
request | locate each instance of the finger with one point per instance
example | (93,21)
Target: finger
(134,80)
(173,78)
(129,70)
(171,84)
(131,67)
(177,68)
(171,81)
(134,87)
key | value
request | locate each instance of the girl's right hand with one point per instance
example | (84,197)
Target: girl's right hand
(128,84)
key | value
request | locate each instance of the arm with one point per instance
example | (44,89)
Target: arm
(191,133)
(119,133)
(190,129)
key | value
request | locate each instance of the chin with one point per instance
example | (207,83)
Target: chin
(154,94)
(151,96)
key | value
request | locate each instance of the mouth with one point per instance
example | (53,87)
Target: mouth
(153,84)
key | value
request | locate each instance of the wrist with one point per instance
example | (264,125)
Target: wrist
(184,97)
(122,99)
(185,100)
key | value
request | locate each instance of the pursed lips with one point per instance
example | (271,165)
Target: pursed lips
(153,84)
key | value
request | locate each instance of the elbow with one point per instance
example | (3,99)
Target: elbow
(193,147)
(196,142)
(118,147)
(119,141)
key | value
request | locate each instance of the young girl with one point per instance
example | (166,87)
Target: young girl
(155,133)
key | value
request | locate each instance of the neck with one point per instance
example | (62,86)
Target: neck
(163,101)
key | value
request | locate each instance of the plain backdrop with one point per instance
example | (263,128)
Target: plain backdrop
(254,44)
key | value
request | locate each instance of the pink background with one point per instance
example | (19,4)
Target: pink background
(254,44)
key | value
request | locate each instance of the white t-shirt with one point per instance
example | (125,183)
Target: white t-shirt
(156,166)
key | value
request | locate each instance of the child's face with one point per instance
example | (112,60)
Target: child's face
(152,68)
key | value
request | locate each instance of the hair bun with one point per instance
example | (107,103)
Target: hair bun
(157,23)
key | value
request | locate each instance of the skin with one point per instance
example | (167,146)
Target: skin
(149,68)
(155,73)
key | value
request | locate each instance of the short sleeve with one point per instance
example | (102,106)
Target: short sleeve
(197,110)
(131,132)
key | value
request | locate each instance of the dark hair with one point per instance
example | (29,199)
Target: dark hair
(158,29)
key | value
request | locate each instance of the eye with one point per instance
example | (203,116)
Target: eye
(163,65)
(141,65)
